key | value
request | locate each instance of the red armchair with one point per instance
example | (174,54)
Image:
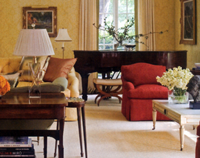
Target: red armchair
(140,87)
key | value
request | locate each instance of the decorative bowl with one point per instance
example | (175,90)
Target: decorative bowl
(197,65)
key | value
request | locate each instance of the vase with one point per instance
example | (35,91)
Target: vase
(178,99)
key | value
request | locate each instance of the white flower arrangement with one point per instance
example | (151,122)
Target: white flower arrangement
(176,78)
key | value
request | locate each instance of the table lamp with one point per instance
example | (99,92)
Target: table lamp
(34,43)
(63,36)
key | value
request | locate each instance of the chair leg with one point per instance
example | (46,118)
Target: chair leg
(105,96)
(95,100)
(38,139)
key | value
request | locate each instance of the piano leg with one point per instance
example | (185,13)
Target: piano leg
(84,85)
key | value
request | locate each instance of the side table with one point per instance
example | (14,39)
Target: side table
(79,104)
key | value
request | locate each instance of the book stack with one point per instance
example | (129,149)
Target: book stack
(16,147)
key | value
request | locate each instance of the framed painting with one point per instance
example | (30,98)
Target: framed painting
(41,18)
(188,22)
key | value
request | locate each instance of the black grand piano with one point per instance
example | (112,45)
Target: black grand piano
(107,61)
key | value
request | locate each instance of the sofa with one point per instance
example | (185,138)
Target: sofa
(140,87)
(55,71)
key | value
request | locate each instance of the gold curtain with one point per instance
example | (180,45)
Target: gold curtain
(88,34)
(145,21)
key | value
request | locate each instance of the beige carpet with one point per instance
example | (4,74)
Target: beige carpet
(110,135)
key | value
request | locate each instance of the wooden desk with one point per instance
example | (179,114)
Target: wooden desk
(50,106)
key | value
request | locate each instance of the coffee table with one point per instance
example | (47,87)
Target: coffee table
(49,106)
(181,113)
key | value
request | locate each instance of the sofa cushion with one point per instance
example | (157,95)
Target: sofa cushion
(149,91)
(58,68)
(45,88)
(9,65)
(142,73)
(61,81)
(58,85)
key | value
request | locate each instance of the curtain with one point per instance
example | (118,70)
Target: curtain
(88,34)
(145,21)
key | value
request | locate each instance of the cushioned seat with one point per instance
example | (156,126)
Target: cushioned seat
(148,91)
(140,87)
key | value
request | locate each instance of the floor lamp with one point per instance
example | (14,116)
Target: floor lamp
(63,37)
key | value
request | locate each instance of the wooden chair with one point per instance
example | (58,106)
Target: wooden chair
(113,88)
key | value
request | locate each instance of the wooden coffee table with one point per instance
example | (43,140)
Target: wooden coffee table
(181,113)
(49,106)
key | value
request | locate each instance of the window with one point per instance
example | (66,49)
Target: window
(116,11)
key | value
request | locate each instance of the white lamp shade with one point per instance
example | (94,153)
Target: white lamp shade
(63,36)
(33,42)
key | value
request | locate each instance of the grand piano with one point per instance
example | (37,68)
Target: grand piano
(108,60)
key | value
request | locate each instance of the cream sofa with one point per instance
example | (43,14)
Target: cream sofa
(11,66)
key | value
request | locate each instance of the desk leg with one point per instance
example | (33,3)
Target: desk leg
(56,141)
(45,146)
(84,130)
(79,129)
(182,130)
(61,147)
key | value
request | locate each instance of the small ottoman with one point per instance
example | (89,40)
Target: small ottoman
(113,88)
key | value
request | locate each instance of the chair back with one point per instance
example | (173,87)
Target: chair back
(142,73)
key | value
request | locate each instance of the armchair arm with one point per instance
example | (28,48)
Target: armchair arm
(128,85)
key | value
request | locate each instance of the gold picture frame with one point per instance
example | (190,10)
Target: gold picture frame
(41,18)
(188,22)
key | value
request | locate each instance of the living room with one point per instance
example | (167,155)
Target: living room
(167,17)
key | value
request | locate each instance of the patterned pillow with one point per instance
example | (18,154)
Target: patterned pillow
(25,70)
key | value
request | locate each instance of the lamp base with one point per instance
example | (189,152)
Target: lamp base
(36,72)
(35,91)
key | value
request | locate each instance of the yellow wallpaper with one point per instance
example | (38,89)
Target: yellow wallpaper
(164,20)
(11,23)
(167,17)
(193,54)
